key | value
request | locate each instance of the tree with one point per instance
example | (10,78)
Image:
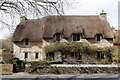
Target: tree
(14,8)
(8,57)
(7,43)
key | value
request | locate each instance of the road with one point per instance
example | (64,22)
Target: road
(25,76)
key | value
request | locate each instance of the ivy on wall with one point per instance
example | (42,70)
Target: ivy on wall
(66,48)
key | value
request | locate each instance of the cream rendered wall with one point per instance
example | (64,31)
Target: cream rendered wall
(32,48)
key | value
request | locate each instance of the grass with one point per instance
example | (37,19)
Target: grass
(6,73)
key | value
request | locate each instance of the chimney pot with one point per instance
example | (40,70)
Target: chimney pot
(102,11)
(23,18)
(103,15)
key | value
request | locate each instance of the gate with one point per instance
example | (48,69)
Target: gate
(18,66)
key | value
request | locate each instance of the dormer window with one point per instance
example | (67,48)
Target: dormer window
(98,37)
(26,42)
(76,37)
(58,37)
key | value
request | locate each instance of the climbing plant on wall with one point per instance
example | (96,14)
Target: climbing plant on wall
(79,47)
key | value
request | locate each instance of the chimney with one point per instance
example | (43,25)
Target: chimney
(23,18)
(103,15)
(113,29)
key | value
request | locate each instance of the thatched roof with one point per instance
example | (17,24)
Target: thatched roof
(117,36)
(46,27)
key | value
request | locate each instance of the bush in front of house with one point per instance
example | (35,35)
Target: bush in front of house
(7,56)
(43,62)
(79,47)
(107,51)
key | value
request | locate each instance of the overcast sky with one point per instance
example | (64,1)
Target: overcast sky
(87,7)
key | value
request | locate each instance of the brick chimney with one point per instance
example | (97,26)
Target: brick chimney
(23,18)
(103,15)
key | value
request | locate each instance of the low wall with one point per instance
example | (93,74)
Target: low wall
(6,68)
(76,69)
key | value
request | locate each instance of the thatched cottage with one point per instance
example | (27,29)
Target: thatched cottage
(31,35)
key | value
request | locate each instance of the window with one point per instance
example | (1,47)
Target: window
(76,55)
(98,37)
(26,55)
(76,37)
(58,37)
(26,42)
(72,54)
(36,55)
(100,55)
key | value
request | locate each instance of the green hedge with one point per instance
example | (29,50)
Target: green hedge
(42,62)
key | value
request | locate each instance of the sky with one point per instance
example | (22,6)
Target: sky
(84,7)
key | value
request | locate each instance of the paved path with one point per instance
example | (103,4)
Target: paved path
(62,76)
(83,65)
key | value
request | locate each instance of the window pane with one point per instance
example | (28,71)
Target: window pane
(72,54)
(26,42)
(78,37)
(79,55)
(37,55)
(57,37)
(76,55)
(26,54)
(98,55)
(98,37)
(102,55)
(74,37)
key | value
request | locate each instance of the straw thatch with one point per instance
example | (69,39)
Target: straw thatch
(87,26)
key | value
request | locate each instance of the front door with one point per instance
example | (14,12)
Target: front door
(57,56)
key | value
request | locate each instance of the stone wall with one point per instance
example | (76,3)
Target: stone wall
(6,68)
(71,70)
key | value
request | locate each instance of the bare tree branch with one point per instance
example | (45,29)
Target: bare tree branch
(37,8)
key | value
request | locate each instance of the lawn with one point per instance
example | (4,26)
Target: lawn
(6,73)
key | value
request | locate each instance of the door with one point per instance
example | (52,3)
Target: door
(57,56)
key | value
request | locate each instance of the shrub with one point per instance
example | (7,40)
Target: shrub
(94,71)
(42,62)
(104,61)
(66,47)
